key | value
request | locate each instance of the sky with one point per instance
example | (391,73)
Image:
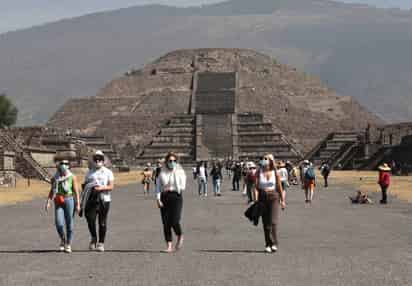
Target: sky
(20,14)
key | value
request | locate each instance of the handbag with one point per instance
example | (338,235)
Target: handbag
(59,200)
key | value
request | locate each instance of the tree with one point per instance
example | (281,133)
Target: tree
(8,112)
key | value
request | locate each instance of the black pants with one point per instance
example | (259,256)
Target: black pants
(171,213)
(384,190)
(270,213)
(325,177)
(100,210)
(235,183)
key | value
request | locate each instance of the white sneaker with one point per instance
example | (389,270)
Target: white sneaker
(67,249)
(61,246)
(100,247)
(274,248)
(268,249)
(92,246)
(205,194)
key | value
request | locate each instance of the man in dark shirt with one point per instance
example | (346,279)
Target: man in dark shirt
(237,175)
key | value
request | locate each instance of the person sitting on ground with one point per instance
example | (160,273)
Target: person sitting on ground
(360,198)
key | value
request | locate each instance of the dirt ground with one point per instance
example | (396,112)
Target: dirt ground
(27,190)
(366,181)
(401,187)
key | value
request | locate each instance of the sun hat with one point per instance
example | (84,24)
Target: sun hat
(98,154)
(384,167)
(251,165)
(306,162)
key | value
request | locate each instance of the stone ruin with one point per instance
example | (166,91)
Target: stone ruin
(36,149)
(214,103)
(7,168)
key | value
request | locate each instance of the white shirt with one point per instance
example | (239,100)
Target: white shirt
(283,174)
(202,172)
(265,183)
(171,180)
(102,177)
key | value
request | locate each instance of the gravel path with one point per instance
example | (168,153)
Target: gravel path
(330,242)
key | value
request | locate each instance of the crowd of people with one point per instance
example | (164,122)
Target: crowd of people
(264,183)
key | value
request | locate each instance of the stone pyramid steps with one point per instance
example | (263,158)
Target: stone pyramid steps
(336,148)
(177,135)
(257,137)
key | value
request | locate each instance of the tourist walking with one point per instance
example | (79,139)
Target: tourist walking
(170,185)
(147,175)
(309,180)
(217,177)
(325,172)
(384,181)
(97,205)
(284,177)
(237,175)
(251,181)
(202,176)
(156,171)
(270,195)
(65,193)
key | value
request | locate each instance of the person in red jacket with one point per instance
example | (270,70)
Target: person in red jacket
(384,181)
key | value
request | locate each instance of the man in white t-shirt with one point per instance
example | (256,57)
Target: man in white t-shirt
(98,204)
(284,177)
(202,178)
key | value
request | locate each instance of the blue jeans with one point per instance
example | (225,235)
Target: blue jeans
(64,216)
(202,186)
(216,186)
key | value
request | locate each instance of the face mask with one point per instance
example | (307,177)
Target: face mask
(171,165)
(63,168)
(263,163)
(99,164)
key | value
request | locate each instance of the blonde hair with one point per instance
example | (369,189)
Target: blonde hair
(272,161)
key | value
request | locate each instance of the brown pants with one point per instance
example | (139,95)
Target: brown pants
(270,204)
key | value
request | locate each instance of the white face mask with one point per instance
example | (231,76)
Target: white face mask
(99,164)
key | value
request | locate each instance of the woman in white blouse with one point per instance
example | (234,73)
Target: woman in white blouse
(169,186)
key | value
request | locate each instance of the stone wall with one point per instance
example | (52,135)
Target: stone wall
(7,168)
(87,113)
(392,134)
(44,158)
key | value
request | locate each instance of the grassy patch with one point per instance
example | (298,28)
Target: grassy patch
(366,181)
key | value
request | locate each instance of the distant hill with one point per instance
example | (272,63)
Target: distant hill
(357,50)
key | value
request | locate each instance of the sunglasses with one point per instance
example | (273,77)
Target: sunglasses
(253,168)
(65,164)
(172,161)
